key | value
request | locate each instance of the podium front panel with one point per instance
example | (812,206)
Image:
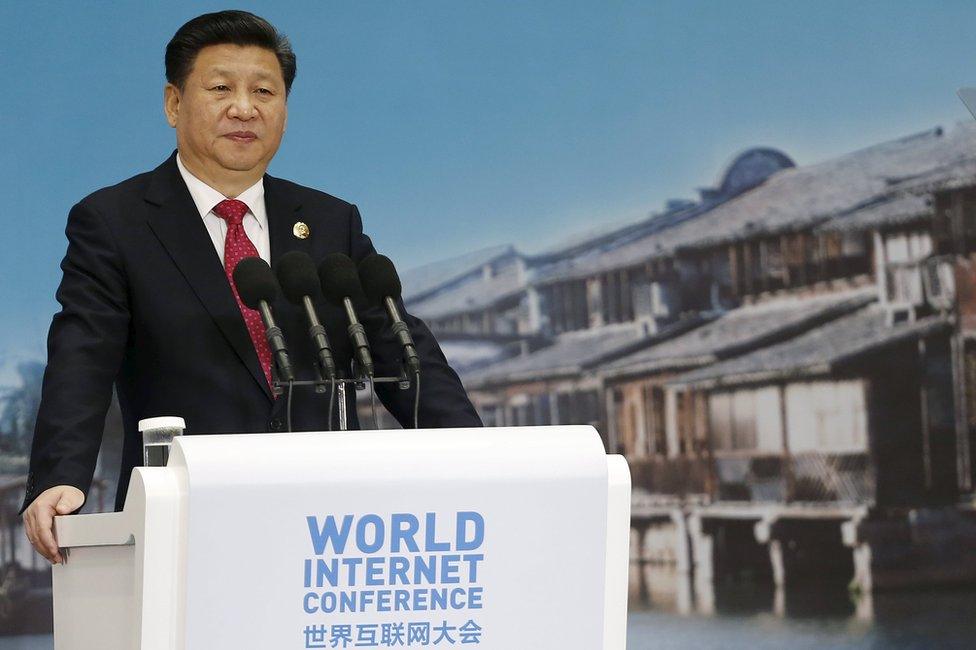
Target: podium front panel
(491,538)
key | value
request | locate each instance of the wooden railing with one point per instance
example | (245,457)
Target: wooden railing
(813,477)
(672,477)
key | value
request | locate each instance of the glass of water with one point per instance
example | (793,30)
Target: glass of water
(157,436)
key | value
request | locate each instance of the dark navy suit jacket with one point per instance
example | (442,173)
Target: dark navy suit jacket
(146,306)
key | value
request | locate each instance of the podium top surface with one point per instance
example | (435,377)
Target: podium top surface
(491,453)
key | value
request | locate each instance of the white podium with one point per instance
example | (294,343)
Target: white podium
(508,538)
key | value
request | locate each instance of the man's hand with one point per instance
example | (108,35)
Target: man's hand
(39,518)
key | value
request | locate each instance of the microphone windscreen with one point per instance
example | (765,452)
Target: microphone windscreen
(255,282)
(297,276)
(340,279)
(379,278)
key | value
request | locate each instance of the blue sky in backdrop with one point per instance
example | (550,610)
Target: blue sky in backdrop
(458,125)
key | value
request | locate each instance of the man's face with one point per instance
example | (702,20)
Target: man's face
(231,113)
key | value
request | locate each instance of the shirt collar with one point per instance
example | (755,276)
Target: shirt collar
(206,197)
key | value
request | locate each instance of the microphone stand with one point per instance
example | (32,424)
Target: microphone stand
(361,376)
(358,381)
(343,422)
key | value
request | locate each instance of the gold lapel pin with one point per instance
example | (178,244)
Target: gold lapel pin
(301,230)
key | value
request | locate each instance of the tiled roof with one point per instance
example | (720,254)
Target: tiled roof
(427,278)
(738,331)
(465,356)
(817,351)
(894,210)
(569,355)
(957,173)
(801,197)
(468,296)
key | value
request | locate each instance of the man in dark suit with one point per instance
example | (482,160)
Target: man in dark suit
(147,299)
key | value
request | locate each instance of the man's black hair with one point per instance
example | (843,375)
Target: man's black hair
(225,27)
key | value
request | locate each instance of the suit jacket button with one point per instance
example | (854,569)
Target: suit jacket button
(277,424)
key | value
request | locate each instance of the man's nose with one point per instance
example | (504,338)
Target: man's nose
(242,106)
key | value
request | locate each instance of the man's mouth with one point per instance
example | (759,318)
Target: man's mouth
(242,136)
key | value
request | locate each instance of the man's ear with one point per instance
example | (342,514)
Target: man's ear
(171,103)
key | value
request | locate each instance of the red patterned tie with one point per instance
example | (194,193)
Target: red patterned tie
(236,247)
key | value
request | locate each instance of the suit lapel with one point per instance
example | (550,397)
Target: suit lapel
(284,212)
(180,230)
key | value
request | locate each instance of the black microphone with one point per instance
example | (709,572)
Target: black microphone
(300,284)
(257,287)
(340,284)
(382,286)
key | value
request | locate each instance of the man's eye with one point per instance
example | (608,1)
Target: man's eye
(220,87)
(265,91)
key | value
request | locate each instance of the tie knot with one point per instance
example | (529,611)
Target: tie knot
(232,211)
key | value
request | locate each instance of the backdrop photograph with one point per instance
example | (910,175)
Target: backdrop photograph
(737,239)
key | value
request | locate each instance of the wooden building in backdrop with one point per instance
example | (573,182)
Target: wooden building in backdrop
(611,327)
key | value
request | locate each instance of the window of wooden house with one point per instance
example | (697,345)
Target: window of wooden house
(716,266)
(802,254)
(857,252)
(746,420)
(954,223)
(641,299)
(762,265)
(587,407)
(557,306)
(607,298)
(627,433)
(563,404)
(654,405)
(743,420)
(831,256)
(852,244)
(623,312)
(735,270)
(717,274)
(754,268)
(542,415)
(580,407)
(903,252)
(616,288)
(566,306)
(826,416)
(520,411)
(616,418)
(579,317)
(812,258)
(907,247)
(681,411)
(595,301)
(662,300)
(844,254)
(773,264)
(507,321)
(720,418)
(627,280)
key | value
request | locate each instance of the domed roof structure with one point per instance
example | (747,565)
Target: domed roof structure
(748,170)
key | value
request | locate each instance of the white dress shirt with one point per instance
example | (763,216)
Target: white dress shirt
(255,221)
